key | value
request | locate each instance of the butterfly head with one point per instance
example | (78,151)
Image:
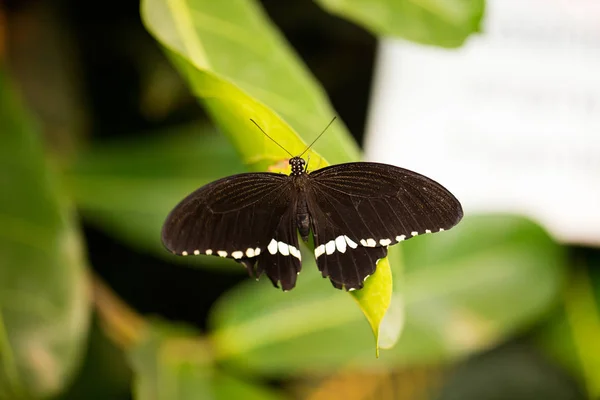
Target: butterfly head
(298,164)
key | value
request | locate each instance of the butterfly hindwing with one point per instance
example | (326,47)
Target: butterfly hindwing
(282,260)
(238,217)
(373,206)
(344,261)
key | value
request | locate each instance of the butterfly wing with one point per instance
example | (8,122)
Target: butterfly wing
(247,217)
(358,209)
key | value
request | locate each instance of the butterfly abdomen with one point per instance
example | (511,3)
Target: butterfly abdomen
(303,218)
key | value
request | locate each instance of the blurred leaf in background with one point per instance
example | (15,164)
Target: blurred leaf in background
(43,298)
(105,372)
(172,362)
(520,372)
(445,23)
(569,335)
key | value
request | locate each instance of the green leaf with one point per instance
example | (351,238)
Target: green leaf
(230,387)
(104,371)
(445,23)
(172,363)
(168,364)
(555,338)
(392,322)
(583,314)
(570,336)
(43,301)
(241,68)
(375,297)
(465,290)
(233,110)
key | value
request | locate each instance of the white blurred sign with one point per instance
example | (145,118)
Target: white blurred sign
(509,122)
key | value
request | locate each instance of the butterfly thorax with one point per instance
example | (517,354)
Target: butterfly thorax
(298,165)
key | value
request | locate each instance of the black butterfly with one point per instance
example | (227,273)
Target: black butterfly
(354,211)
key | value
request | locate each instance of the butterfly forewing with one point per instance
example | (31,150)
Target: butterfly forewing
(382,202)
(238,217)
(372,206)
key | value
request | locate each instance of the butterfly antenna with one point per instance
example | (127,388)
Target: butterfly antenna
(320,134)
(274,141)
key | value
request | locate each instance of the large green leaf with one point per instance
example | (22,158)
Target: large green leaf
(43,301)
(465,289)
(241,69)
(445,23)
(171,363)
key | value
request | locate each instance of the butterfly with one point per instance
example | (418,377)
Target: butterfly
(354,211)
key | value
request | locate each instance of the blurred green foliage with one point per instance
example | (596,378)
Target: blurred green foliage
(464,292)
(490,280)
(128,186)
(43,304)
(445,23)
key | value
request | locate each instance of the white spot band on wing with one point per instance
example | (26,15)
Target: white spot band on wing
(330,247)
(319,250)
(350,242)
(237,255)
(272,247)
(283,248)
(295,252)
(385,242)
(340,244)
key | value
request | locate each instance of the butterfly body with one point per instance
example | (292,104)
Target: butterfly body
(354,212)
